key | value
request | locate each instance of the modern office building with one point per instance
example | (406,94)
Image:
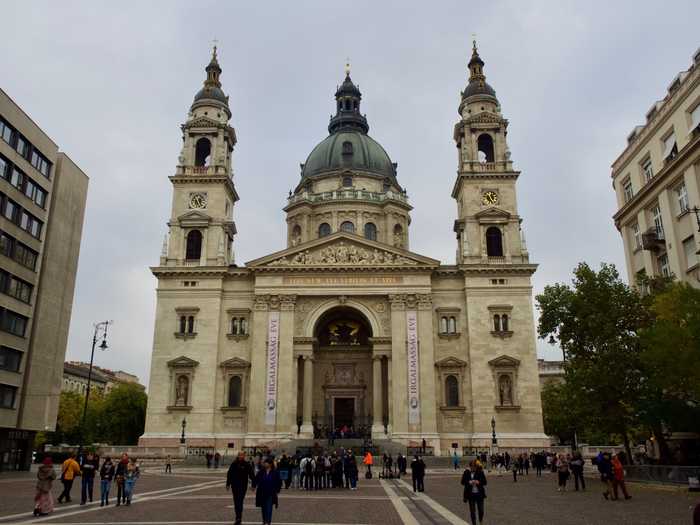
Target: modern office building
(42,204)
(657,181)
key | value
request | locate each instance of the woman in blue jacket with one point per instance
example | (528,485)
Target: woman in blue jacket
(267,485)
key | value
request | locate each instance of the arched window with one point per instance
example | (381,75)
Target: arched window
(347,104)
(485,147)
(190,324)
(347,226)
(202,152)
(347,181)
(234,326)
(398,236)
(296,235)
(194,245)
(451,391)
(370,231)
(452,325)
(496,323)
(234,391)
(504,322)
(443,325)
(386,186)
(183,324)
(324,229)
(494,242)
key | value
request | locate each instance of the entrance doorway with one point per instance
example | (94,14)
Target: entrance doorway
(343,411)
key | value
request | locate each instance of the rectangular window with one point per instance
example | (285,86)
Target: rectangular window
(6,243)
(10,359)
(7,396)
(3,167)
(636,236)
(13,323)
(5,131)
(690,249)
(40,197)
(25,256)
(695,118)
(663,266)
(19,289)
(627,190)
(682,194)
(656,219)
(647,170)
(22,146)
(16,178)
(10,210)
(670,147)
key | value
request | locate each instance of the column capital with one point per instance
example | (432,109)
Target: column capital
(398,301)
(262,303)
(425,301)
(287,302)
(377,357)
(308,357)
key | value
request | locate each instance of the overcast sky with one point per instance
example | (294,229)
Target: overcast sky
(111,82)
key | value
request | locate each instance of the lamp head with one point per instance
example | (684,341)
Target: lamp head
(103,345)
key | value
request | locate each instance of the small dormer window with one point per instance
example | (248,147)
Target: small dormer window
(347,148)
(347,182)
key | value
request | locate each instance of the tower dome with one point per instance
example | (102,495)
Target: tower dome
(477,88)
(211,93)
(349,146)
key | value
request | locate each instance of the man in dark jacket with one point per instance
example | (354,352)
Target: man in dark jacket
(239,474)
(474,482)
(417,473)
(606,474)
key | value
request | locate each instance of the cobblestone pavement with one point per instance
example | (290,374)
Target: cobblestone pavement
(198,496)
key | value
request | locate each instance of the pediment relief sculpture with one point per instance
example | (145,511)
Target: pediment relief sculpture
(342,254)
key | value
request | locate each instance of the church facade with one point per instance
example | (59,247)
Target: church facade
(345,327)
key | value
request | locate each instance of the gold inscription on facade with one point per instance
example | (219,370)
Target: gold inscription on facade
(342,280)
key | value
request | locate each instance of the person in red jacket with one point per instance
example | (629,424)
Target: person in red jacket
(619,477)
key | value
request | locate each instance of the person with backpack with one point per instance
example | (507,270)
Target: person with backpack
(606,474)
(69,470)
(474,483)
(106,476)
(309,468)
(120,478)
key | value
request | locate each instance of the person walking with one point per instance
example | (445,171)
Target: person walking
(526,465)
(562,472)
(168,464)
(43,500)
(88,469)
(120,477)
(106,476)
(401,465)
(606,474)
(239,474)
(417,474)
(69,470)
(474,483)
(514,468)
(353,472)
(455,460)
(576,466)
(619,476)
(267,485)
(132,474)
(423,446)
(368,461)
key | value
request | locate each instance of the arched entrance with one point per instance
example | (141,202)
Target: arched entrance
(342,399)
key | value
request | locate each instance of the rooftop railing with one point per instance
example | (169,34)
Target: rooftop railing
(338,195)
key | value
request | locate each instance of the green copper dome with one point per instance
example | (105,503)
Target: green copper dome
(349,149)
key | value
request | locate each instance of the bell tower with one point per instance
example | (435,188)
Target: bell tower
(488,225)
(201,227)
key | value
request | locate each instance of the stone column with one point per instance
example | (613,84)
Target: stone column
(307,425)
(390,405)
(286,381)
(399,402)
(428,402)
(258,365)
(377,398)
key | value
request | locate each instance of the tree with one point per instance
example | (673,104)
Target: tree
(124,414)
(596,323)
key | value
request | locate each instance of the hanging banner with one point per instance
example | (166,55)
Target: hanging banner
(413,372)
(273,332)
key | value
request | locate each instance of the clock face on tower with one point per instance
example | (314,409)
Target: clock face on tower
(198,201)
(489,198)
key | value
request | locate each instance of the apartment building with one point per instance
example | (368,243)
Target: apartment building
(657,181)
(42,205)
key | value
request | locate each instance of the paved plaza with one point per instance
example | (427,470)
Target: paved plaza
(198,496)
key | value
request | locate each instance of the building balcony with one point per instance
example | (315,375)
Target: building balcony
(342,195)
(653,240)
(487,167)
(496,259)
(202,170)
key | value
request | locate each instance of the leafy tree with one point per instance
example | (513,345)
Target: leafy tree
(124,414)
(596,323)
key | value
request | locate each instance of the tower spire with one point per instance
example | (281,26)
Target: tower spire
(476,66)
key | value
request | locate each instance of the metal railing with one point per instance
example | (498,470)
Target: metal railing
(675,474)
(348,195)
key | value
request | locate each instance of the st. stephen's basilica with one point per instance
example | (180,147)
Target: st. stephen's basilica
(345,327)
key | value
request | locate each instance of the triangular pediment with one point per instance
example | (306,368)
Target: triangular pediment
(343,249)
(182,362)
(235,362)
(492,213)
(504,361)
(202,122)
(451,362)
(194,218)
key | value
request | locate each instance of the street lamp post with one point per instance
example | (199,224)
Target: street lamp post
(494,440)
(182,436)
(99,327)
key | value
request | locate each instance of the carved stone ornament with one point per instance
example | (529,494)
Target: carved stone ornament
(343,254)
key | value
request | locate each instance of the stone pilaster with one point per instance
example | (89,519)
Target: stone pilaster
(426,354)
(377,398)
(258,364)
(307,425)
(399,371)
(286,376)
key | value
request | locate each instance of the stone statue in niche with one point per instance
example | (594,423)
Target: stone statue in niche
(181,390)
(505,388)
